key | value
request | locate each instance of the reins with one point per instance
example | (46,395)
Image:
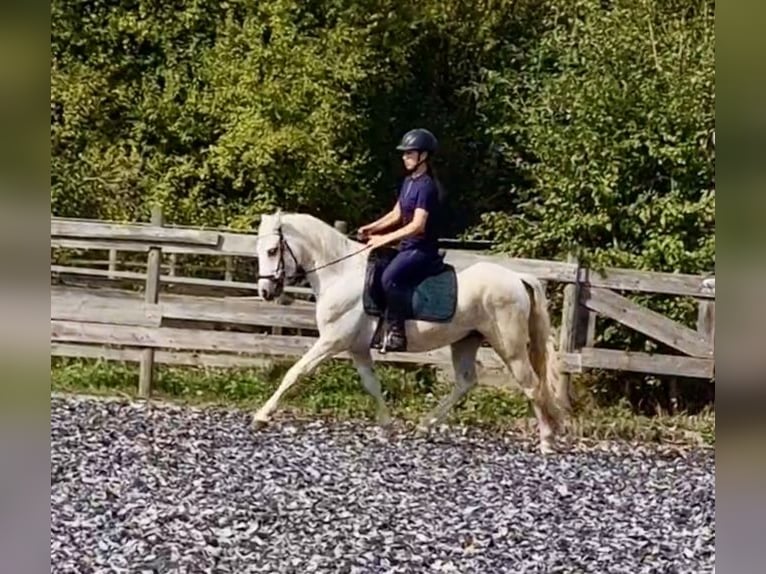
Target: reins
(334,261)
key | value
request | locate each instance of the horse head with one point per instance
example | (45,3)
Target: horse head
(293,246)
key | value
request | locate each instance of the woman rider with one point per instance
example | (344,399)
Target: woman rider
(417,216)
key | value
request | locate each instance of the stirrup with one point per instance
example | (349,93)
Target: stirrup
(400,340)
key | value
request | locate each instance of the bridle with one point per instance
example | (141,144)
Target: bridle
(283,247)
(279,276)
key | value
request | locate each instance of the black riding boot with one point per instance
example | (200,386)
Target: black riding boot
(396,339)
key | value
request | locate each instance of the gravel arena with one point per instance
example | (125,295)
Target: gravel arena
(139,487)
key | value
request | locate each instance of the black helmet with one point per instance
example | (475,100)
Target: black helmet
(418,140)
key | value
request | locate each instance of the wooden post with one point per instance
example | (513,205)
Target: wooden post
(706,320)
(112,262)
(341,226)
(173,260)
(706,312)
(585,320)
(569,316)
(152,292)
(228,274)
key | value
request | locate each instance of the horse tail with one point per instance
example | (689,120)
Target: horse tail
(543,355)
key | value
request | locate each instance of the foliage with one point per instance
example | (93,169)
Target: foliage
(223,110)
(612,118)
(565,126)
(218,110)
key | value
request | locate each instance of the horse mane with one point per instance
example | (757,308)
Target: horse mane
(331,242)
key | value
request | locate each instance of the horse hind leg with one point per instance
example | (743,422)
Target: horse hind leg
(510,344)
(522,371)
(464,366)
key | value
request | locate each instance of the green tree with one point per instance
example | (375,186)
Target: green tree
(578,126)
(612,118)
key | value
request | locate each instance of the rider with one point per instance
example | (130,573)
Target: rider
(417,216)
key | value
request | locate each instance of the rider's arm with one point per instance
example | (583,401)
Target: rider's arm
(391,218)
(414,227)
(425,203)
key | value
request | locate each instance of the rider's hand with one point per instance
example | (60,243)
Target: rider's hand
(364,232)
(377,241)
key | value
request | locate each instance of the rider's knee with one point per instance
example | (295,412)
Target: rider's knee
(388,279)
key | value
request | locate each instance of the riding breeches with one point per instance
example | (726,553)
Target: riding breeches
(407,269)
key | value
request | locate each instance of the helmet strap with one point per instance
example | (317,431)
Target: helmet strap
(417,165)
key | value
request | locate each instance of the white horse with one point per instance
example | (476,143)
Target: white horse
(506,308)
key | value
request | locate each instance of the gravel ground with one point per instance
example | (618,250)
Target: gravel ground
(160,488)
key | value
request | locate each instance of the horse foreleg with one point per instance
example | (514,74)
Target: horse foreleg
(464,365)
(321,350)
(371,383)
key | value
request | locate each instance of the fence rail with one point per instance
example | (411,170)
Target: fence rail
(83,234)
(96,312)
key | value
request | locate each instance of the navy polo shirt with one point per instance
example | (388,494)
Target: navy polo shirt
(420,192)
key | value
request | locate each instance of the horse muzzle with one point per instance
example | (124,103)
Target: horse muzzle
(270,288)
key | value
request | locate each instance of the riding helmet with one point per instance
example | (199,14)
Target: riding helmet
(418,140)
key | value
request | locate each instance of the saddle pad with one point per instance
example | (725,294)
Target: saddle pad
(434,299)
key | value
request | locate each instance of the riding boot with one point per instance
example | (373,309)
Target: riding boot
(396,339)
(396,313)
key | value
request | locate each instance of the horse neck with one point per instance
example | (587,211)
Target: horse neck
(317,245)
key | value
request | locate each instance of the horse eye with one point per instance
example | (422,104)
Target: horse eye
(272,252)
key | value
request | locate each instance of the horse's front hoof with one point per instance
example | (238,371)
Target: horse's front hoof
(547,447)
(383,434)
(384,420)
(423,430)
(259,423)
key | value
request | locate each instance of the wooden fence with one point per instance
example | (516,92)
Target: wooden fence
(189,320)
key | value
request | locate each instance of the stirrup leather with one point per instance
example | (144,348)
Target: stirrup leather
(378,341)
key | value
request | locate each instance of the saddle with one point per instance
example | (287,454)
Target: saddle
(434,299)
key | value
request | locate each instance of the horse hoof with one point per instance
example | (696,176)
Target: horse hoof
(385,425)
(547,448)
(259,423)
(382,434)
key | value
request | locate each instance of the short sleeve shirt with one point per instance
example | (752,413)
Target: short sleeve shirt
(420,192)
